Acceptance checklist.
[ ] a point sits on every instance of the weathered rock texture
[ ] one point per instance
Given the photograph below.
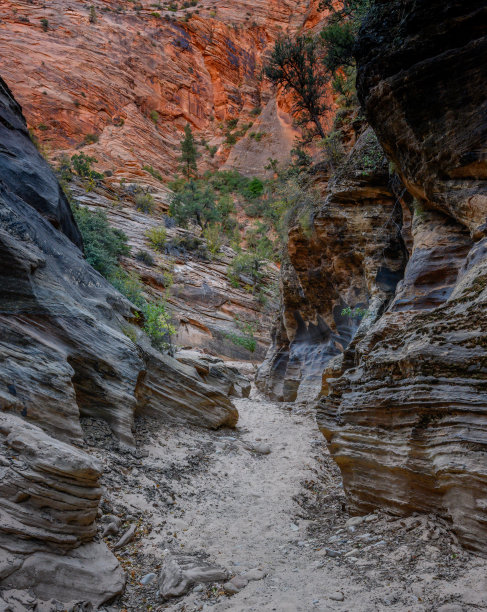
(64, 354)
(108, 76)
(407, 419)
(206, 307)
(49, 494)
(352, 256)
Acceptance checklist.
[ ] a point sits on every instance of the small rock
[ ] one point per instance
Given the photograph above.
(354, 521)
(352, 553)
(230, 588)
(370, 518)
(147, 578)
(294, 527)
(260, 449)
(255, 574)
(198, 588)
(126, 538)
(338, 596)
(332, 553)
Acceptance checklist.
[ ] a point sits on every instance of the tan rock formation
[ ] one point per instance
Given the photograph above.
(49, 494)
(352, 256)
(407, 420)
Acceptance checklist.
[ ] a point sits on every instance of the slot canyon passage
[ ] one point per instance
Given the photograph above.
(243, 290)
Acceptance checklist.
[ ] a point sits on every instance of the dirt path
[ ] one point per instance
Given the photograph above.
(210, 495)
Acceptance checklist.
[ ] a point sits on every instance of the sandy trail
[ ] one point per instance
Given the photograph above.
(279, 512)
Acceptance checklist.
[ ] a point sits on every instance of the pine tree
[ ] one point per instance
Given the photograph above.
(295, 66)
(189, 153)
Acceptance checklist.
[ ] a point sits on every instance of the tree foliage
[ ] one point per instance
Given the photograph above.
(189, 153)
(295, 65)
(194, 203)
(103, 244)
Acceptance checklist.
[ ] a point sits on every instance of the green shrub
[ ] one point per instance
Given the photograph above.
(157, 237)
(82, 166)
(92, 17)
(256, 111)
(45, 24)
(91, 138)
(189, 243)
(145, 257)
(194, 203)
(144, 202)
(254, 188)
(157, 325)
(154, 115)
(356, 312)
(103, 245)
(232, 123)
(247, 265)
(213, 236)
(157, 175)
(129, 285)
(245, 338)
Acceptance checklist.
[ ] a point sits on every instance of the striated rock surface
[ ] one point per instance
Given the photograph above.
(353, 256)
(133, 74)
(49, 494)
(205, 305)
(406, 419)
(63, 355)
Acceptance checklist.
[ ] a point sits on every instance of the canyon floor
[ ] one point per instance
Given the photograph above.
(266, 496)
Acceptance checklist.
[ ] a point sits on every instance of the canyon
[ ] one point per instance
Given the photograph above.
(340, 463)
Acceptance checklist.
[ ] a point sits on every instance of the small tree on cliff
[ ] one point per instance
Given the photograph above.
(295, 66)
(189, 153)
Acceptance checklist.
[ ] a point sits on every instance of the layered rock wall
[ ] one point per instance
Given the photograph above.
(65, 352)
(406, 420)
(351, 256)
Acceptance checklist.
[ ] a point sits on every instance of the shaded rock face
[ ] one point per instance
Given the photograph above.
(26, 173)
(64, 354)
(406, 421)
(353, 256)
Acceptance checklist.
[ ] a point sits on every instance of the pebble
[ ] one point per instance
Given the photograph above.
(354, 521)
(255, 574)
(338, 596)
(260, 449)
(147, 578)
(352, 553)
(332, 553)
(198, 588)
(294, 527)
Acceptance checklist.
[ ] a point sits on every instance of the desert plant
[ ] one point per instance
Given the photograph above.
(144, 202)
(294, 65)
(103, 245)
(82, 165)
(145, 257)
(157, 237)
(158, 326)
(189, 153)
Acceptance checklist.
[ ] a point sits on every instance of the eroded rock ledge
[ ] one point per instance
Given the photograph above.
(64, 354)
(406, 419)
